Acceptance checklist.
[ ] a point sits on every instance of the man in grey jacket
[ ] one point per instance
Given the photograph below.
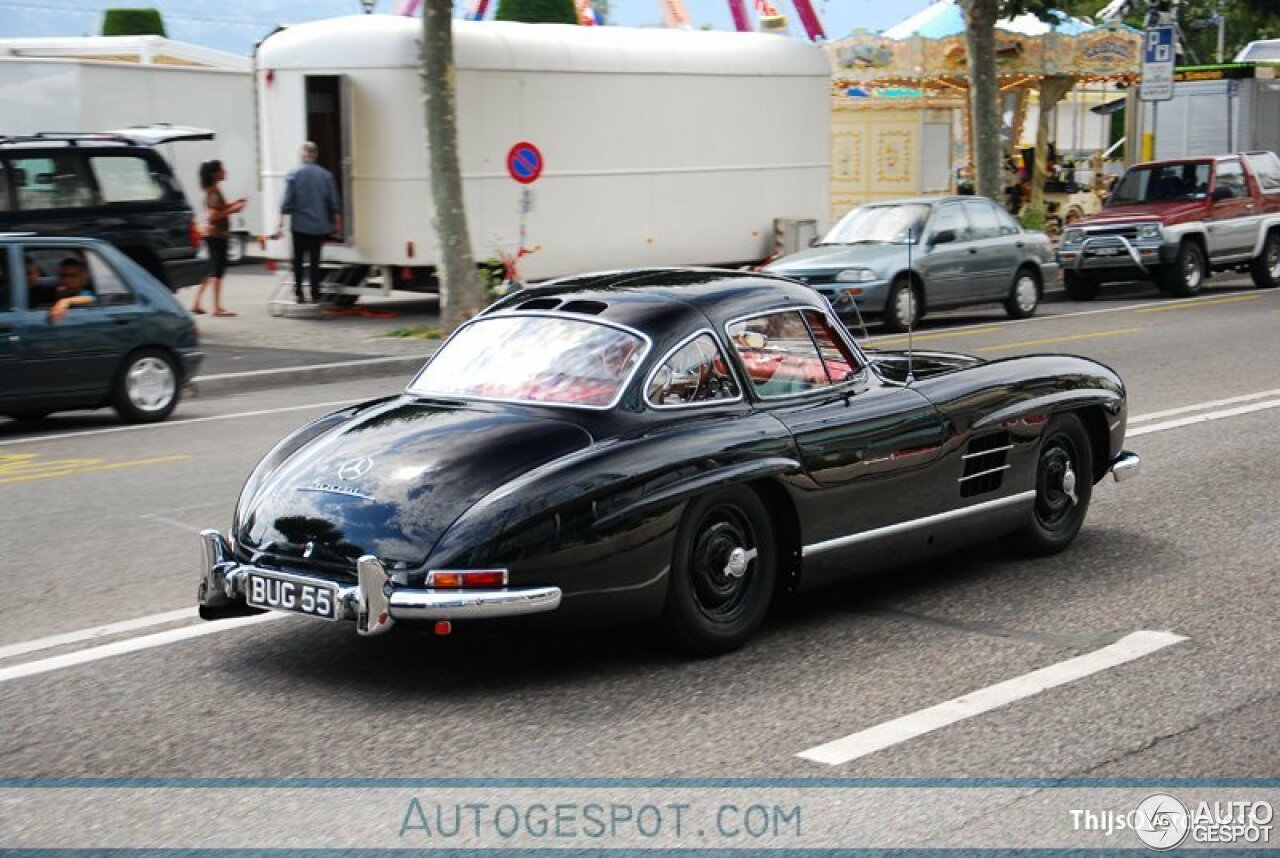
(311, 202)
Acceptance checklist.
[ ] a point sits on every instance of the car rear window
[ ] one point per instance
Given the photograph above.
(126, 178)
(535, 359)
(1266, 166)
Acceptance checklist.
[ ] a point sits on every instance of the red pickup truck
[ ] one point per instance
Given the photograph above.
(1176, 222)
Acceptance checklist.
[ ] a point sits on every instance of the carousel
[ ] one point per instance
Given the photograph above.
(1039, 63)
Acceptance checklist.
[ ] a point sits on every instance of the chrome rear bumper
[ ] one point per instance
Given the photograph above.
(1125, 465)
(374, 602)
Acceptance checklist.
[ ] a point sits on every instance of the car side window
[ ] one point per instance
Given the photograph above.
(1008, 226)
(982, 219)
(779, 355)
(1266, 166)
(6, 290)
(1230, 175)
(107, 284)
(53, 181)
(126, 179)
(951, 217)
(4, 187)
(694, 372)
(840, 363)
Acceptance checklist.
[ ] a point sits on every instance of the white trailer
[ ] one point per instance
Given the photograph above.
(660, 147)
(111, 83)
(1218, 109)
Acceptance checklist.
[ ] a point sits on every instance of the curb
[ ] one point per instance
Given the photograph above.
(226, 383)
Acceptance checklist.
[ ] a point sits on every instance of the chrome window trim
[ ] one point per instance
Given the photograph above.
(988, 472)
(684, 405)
(546, 314)
(912, 524)
(1003, 449)
(831, 385)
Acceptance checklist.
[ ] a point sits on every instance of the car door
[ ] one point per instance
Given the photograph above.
(77, 356)
(994, 255)
(946, 261)
(1233, 223)
(865, 446)
(12, 381)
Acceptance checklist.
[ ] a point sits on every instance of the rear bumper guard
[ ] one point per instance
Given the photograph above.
(374, 602)
(1125, 466)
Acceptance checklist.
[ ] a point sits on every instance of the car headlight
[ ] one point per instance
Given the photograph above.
(856, 275)
(1149, 230)
(1073, 236)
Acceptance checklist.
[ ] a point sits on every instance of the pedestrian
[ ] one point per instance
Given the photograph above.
(216, 232)
(311, 203)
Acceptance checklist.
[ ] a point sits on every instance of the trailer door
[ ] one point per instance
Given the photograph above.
(329, 127)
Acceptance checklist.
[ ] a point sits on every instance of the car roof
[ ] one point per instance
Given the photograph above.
(928, 201)
(34, 240)
(662, 301)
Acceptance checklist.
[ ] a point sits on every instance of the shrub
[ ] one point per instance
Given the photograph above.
(538, 11)
(132, 22)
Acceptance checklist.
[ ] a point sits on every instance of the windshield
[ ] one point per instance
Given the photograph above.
(1162, 182)
(539, 359)
(880, 225)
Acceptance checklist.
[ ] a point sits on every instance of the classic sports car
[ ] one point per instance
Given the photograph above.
(680, 444)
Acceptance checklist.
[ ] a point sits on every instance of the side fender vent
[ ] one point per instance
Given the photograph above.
(985, 462)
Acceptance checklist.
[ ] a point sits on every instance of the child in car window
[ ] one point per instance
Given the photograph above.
(73, 288)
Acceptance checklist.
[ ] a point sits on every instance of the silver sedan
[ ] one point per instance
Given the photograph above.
(899, 260)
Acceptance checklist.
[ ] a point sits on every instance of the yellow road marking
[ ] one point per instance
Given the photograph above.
(972, 332)
(1067, 339)
(27, 467)
(1190, 305)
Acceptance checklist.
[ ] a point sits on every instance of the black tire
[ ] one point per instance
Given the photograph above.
(146, 388)
(1265, 268)
(1024, 294)
(900, 312)
(1080, 287)
(1188, 273)
(710, 610)
(1064, 467)
(342, 299)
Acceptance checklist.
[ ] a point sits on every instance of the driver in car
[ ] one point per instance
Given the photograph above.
(73, 288)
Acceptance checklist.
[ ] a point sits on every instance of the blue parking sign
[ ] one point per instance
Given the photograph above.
(1158, 45)
(1158, 58)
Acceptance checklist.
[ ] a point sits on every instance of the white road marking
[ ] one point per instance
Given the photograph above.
(96, 632)
(97, 653)
(916, 724)
(35, 439)
(1205, 418)
(1202, 406)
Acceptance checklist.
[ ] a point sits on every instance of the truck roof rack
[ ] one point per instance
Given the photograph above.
(71, 138)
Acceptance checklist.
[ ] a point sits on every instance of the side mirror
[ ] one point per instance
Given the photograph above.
(943, 236)
(1221, 193)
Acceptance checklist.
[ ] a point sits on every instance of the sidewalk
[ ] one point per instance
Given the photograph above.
(255, 349)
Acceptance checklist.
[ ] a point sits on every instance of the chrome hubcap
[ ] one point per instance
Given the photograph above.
(150, 384)
(907, 306)
(1025, 293)
(1191, 271)
(1273, 260)
(1069, 484)
(739, 560)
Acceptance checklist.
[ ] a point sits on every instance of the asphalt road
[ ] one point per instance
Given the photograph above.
(98, 523)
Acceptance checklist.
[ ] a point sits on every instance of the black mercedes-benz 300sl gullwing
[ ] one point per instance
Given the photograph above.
(680, 445)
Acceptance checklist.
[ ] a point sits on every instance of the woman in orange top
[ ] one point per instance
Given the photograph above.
(216, 232)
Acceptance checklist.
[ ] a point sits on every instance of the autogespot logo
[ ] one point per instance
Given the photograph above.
(1161, 821)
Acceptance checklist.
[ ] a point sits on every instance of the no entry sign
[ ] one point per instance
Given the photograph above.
(524, 163)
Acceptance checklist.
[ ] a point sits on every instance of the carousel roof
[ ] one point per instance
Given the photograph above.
(945, 18)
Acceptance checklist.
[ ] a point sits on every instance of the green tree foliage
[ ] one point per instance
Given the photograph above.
(538, 11)
(1244, 21)
(132, 22)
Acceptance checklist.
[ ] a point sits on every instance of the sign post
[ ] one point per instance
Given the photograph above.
(524, 164)
(1158, 60)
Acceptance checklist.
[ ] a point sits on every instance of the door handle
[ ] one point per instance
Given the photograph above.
(973, 250)
(1019, 245)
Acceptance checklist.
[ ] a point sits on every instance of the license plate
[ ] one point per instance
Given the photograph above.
(1105, 251)
(290, 594)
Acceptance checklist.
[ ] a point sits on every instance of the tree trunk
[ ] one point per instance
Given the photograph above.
(461, 293)
(1052, 89)
(984, 94)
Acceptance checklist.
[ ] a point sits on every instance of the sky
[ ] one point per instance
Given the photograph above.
(235, 25)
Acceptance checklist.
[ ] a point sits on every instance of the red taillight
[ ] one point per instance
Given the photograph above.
(193, 234)
(458, 579)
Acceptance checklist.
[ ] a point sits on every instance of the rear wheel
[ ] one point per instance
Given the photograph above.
(1024, 295)
(902, 307)
(1080, 287)
(146, 387)
(723, 572)
(1064, 486)
(1186, 276)
(1265, 268)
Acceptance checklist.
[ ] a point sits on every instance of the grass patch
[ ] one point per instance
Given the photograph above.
(424, 332)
